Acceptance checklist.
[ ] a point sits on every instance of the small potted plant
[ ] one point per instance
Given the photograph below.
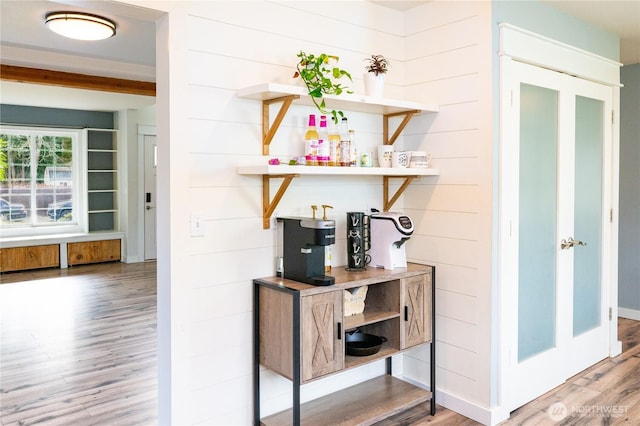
(376, 69)
(320, 74)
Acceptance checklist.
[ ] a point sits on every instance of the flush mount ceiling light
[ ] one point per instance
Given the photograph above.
(80, 26)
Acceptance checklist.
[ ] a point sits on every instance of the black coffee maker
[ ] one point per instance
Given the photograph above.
(304, 241)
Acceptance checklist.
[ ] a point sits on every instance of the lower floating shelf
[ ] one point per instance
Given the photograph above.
(287, 173)
(284, 169)
(362, 404)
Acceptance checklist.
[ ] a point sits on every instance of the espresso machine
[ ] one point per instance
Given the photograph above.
(389, 233)
(304, 240)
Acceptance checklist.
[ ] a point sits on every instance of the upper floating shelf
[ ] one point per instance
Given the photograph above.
(351, 102)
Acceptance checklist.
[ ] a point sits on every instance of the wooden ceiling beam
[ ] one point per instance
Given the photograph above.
(76, 81)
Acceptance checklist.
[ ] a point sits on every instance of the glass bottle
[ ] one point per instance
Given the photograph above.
(345, 143)
(334, 145)
(354, 149)
(323, 142)
(311, 142)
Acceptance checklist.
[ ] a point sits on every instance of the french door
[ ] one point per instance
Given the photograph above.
(556, 234)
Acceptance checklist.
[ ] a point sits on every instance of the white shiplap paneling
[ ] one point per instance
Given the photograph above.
(449, 59)
(437, 50)
(229, 49)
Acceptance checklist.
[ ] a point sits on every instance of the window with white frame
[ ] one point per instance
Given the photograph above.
(40, 181)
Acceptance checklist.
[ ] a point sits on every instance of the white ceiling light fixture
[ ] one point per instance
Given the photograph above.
(80, 26)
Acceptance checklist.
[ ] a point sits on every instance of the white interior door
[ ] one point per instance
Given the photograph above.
(556, 192)
(150, 165)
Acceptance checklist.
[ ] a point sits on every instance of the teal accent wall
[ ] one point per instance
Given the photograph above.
(543, 19)
(54, 117)
(629, 215)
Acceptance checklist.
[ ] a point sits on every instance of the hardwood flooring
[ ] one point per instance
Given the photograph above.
(607, 393)
(78, 347)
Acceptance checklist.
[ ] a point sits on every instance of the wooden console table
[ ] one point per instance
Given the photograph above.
(299, 333)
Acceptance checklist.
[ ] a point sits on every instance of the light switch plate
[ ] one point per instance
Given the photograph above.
(197, 224)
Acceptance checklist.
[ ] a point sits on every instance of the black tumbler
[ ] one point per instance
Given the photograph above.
(358, 241)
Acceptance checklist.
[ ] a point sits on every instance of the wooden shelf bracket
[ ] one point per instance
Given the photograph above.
(268, 205)
(269, 129)
(388, 203)
(385, 125)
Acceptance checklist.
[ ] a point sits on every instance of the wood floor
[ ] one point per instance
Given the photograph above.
(78, 347)
(611, 386)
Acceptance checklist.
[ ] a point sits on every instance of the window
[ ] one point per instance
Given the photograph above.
(40, 181)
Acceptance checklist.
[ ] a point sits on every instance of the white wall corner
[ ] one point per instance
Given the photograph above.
(479, 413)
(131, 259)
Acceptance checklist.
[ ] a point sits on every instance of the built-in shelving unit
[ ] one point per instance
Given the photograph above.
(102, 179)
(272, 93)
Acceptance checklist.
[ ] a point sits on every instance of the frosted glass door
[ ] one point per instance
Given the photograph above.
(557, 170)
(537, 221)
(588, 215)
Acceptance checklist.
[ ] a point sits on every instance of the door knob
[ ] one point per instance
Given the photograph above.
(570, 242)
(149, 207)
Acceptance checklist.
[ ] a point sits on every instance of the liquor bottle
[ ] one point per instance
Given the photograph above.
(334, 145)
(323, 143)
(311, 142)
(345, 143)
(354, 149)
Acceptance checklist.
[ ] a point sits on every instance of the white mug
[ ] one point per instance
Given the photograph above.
(384, 155)
(419, 159)
(400, 159)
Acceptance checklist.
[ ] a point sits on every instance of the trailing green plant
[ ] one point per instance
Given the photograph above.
(321, 77)
(377, 64)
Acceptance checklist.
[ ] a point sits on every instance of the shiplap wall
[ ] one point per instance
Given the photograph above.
(205, 132)
(449, 61)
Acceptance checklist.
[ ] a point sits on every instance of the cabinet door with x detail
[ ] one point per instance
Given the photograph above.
(322, 341)
(415, 305)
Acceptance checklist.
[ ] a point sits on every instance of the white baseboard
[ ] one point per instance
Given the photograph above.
(633, 314)
(131, 259)
(486, 416)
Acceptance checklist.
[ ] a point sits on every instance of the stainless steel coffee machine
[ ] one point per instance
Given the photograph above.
(304, 240)
(389, 233)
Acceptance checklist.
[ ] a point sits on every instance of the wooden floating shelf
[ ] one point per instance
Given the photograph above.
(286, 95)
(335, 171)
(351, 102)
(271, 93)
(288, 173)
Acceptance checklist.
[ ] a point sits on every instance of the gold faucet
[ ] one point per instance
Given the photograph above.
(324, 211)
(314, 208)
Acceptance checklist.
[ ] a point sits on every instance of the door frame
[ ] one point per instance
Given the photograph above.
(143, 130)
(521, 45)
